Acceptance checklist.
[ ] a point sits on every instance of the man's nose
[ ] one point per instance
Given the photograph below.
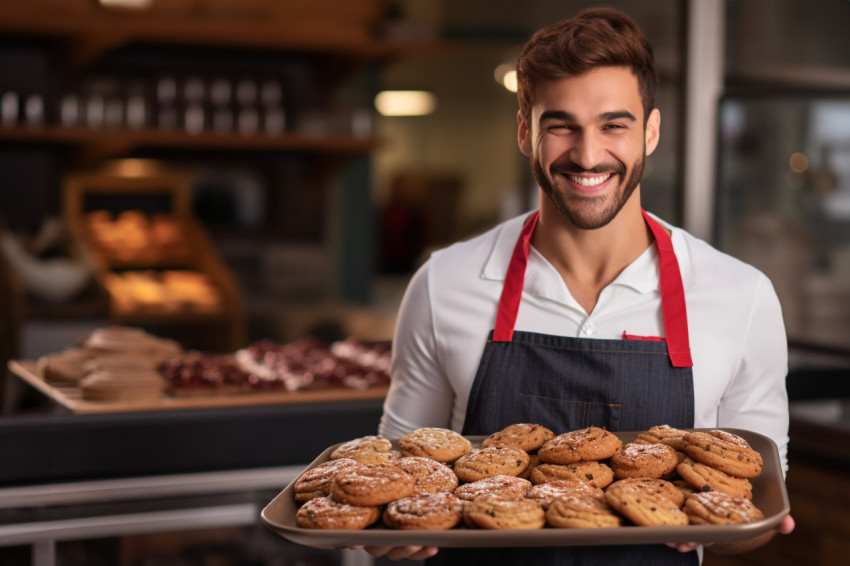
(587, 150)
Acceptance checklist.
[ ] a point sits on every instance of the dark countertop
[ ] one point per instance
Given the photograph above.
(59, 448)
(820, 430)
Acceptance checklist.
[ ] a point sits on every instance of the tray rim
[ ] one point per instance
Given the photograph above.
(546, 536)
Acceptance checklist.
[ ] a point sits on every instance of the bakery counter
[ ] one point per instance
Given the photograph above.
(54, 447)
(70, 479)
(820, 430)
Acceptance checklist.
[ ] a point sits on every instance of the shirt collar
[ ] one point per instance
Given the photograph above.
(641, 275)
(496, 266)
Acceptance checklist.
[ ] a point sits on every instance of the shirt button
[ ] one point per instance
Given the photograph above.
(588, 329)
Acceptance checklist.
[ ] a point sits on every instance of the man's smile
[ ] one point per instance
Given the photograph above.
(589, 181)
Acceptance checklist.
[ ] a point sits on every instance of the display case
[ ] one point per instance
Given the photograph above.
(783, 203)
(153, 257)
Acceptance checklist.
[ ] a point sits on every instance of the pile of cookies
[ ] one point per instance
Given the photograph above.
(527, 477)
(116, 363)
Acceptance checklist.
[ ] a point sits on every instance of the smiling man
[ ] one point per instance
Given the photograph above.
(588, 311)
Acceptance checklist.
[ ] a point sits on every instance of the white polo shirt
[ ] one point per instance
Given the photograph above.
(737, 335)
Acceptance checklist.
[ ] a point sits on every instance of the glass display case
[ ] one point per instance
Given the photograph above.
(783, 204)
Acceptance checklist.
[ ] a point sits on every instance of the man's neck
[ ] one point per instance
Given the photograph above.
(589, 260)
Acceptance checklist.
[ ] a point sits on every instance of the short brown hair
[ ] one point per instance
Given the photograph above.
(596, 37)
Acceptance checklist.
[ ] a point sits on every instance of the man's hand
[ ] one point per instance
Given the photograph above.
(785, 526)
(402, 552)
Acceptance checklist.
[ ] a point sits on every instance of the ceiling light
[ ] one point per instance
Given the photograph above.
(137, 4)
(505, 75)
(405, 102)
(798, 162)
(133, 167)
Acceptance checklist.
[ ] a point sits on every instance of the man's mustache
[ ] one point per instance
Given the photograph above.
(569, 167)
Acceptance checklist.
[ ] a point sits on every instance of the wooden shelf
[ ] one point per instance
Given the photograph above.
(104, 142)
(345, 28)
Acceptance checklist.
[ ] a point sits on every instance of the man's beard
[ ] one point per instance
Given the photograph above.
(582, 216)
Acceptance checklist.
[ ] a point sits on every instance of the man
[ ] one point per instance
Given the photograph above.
(588, 311)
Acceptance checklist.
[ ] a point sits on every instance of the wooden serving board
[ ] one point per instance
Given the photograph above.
(70, 396)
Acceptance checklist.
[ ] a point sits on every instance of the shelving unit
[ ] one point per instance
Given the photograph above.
(326, 26)
(224, 318)
(290, 141)
(326, 47)
(327, 42)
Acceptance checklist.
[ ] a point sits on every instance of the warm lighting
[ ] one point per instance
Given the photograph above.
(405, 103)
(136, 4)
(510, 81)
(505, 75)
(798, 162)
(132, 167)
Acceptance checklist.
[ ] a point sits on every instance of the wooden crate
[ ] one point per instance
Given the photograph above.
(223, 326)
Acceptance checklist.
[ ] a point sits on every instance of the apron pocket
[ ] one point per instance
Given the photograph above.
(570, 414)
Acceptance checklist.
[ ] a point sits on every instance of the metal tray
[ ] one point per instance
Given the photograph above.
(769, 495)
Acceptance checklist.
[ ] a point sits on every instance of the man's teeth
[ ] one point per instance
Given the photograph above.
(589, 181)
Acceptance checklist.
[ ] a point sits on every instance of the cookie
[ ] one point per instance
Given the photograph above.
(642, 507)
(659, 486)
(591, 472)
(663, 434)
(119, 362)
(440, 444)
(591, 443)
(67, 366)
(706, 478)
(495, 484)
(724, 451)
(523, 436)
(581, 511)
(372, 485)
(715, 508)
(125, 385)
(326, 513)
(430, 476)
(533, 462)
(644, 461)
(316, 482)
(430, 511)
(684, 487)
(503, 511)
(369, 450)
(134, 341)
(489, 462)
(545, 493)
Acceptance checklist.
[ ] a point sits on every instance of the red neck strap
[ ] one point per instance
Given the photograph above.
(672, 291)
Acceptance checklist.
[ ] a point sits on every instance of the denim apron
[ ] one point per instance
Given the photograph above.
(567, 383)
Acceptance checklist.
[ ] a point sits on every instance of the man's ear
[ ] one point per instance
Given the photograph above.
(523, 135)
(653, 131)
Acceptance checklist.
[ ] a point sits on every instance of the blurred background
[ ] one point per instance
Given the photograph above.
(264, 177)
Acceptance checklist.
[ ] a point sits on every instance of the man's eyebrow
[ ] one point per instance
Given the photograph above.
(617, 115)
(557, 115)
(604, 117)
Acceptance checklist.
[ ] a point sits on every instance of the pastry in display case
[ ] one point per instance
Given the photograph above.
(168, 291)
(134, 237)
(153, 257)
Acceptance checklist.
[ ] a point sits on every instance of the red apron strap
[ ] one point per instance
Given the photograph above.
(514, 281)
(674, 311)
(673, 308)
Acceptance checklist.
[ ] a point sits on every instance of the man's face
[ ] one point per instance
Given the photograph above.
(587, 143)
